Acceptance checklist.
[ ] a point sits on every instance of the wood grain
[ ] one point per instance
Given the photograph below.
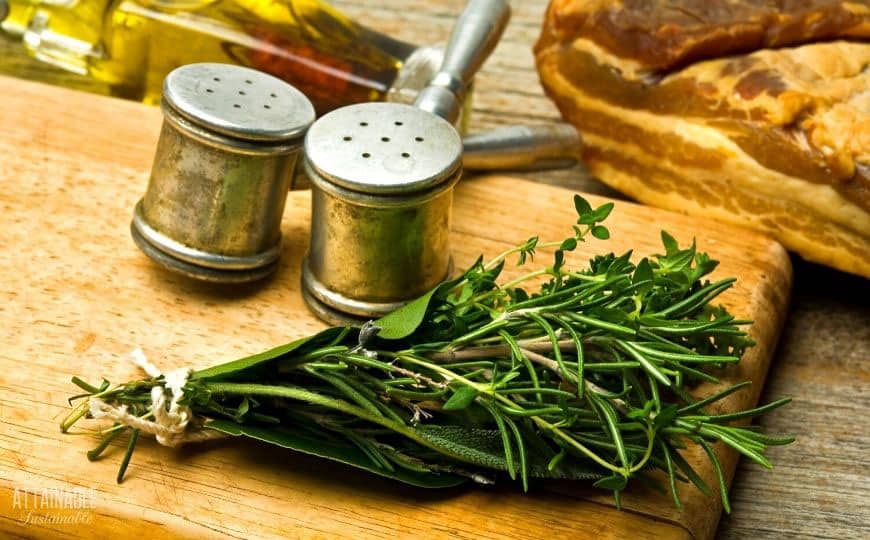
(819, 486)
(79, 296)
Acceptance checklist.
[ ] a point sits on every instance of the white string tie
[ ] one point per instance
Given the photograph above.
(170, 421)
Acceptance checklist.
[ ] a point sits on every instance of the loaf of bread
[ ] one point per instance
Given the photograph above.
(750, 111)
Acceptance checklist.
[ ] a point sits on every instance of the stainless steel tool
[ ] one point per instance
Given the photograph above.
(226, 155)
(382, 179)
(523, 148)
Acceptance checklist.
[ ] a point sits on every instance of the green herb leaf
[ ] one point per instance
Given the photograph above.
(671, 245)
(558, 260)
(615, 482)
(665, 417)
(527, 250)
(581, 205)
(484, 447)
(345, 453)
(461, 398)
(600, 232)
(643, 273)
(596, 216)
(236, 368)
(404, 321)
(568, 244)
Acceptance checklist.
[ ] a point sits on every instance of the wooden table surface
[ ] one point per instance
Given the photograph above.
(819, 487)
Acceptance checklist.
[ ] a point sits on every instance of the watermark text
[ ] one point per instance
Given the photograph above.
(54, 506)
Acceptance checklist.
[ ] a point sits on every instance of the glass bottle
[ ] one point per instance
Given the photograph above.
(131, 45)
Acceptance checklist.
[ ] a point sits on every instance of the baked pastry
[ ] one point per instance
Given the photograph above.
(731, 109)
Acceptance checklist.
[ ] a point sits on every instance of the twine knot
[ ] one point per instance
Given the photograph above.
(171, 419)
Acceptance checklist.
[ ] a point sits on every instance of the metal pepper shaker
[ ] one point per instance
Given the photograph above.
(382, 179)
(227, 152)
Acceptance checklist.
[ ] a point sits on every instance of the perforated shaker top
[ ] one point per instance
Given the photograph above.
(383, 148)
(239, 102)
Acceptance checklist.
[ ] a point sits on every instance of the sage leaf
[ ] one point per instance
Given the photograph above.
(343, 453)
(484, 447)
(237, 368)
(404, 321)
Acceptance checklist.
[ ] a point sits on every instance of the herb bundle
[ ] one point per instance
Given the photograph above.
(560, 373)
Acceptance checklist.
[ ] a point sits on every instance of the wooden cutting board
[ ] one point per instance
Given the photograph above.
(77, 297)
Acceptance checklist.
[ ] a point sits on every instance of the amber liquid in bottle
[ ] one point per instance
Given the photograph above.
(131, 45)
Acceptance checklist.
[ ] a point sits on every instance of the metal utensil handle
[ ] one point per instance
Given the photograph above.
(551, 146)
(509, 148)
(473, 39)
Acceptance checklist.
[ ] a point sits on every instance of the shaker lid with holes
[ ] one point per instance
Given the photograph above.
(238, 102)
(383, 148)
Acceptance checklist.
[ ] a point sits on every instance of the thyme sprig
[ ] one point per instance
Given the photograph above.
(558, 373)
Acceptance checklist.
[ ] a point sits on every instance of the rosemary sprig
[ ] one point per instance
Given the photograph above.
(558, 373)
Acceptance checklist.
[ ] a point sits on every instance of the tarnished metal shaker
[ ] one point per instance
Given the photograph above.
(227, 152)
(382, 179)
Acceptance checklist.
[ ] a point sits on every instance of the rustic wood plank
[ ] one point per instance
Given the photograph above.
(79, 295)
(818, 488)
(823, 356)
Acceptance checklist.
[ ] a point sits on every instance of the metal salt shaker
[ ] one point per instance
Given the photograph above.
(227, 152)
(382, 179)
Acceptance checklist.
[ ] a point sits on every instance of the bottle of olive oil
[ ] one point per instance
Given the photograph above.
(131, 45)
